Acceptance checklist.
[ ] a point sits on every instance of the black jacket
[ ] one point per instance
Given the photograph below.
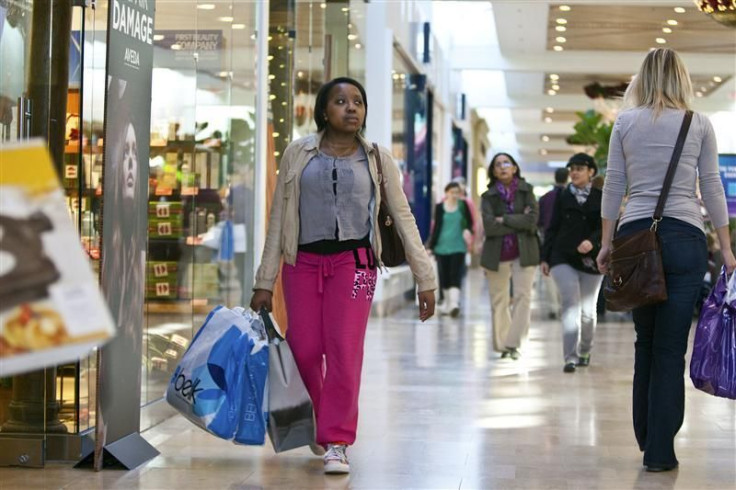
(571, 224)
(439, 214)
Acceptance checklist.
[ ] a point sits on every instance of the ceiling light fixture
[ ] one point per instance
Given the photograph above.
(558, 48)
(698, 94)
(560, 28)
(554, 76)
(542, 152)
(548, 119)
(679, 10)
(238, 26)
(545, 138)
(323, 5)
(206, 6)
(352, 37)
(672, 22)
(717, 79)
(565, 8)
(561, 39)
(176, 47)
(225, 19)
(667, 30)
(661, 40)
(561, 21)
(555, 87)
(358, 45)
(551, 92)
(158, 37)
(549, 110)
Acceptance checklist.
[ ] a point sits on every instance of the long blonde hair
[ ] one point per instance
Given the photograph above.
(663, 81)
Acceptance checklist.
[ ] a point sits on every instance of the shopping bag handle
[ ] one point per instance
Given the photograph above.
(271, 330)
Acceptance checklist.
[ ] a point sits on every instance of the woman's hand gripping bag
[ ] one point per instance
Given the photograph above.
(713, 362)
(207, 385)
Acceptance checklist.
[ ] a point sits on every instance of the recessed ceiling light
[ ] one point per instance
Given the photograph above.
(545, 138)
(352, 37)
(565, 8)
(554, 76)
(549, 110)
(561, 39)
(548, 119)
(176, 47)
(558, 48)
(698, 94)
(299, 74)
(358, 45)
(560, 28)
(551, 92)
(679, 10)
(542, 151)
(323, 5)
(661, 40)
(672, 22)
(238, 26)
(158, 37)
(206, 6)
(555, 87)
(703, 89)
(717, 79)
(225, 19)
(562, 21)
(667, 30)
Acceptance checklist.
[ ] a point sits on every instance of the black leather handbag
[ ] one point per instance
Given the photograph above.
(635, 273)
(392, 248)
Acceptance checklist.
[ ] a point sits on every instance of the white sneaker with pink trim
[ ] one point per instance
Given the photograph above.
(336, 461)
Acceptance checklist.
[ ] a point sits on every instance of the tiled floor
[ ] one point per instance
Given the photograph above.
(440, 410)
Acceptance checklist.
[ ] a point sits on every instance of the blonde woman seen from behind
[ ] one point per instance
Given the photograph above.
(642, 144)
(510, 252)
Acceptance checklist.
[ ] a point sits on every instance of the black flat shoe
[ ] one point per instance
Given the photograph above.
(505, 354)
(584, 361)
(569, 367)
(655, 468)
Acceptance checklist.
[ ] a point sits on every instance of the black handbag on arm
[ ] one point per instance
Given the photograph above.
(635, 273)
(392, 248)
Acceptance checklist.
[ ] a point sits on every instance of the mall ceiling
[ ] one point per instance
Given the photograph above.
(547, 52)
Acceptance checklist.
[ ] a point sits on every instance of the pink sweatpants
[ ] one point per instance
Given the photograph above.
(328, 300)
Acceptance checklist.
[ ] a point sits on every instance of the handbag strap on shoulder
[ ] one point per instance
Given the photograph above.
(670, 176)
(380, 171)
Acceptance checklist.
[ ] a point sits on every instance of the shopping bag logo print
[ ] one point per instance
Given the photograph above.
(187, 388)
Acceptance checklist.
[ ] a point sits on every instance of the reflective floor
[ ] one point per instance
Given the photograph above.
(440, 410)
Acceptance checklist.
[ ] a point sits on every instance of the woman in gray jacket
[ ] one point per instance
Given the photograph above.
(510, 252)
(642, 143)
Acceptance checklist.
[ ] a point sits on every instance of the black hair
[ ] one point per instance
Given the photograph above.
(561, 175)
(320, 105)
(452, 185)
(492, 178)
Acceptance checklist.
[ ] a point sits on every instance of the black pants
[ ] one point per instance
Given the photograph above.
(661, 340)
(451, 268)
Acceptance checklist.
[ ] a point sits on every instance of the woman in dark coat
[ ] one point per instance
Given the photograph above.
(570, 248)
(510, 252)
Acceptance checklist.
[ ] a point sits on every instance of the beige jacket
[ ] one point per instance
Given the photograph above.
(283, 225)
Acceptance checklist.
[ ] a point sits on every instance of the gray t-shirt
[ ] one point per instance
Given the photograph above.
(639, 154)
(335, 198)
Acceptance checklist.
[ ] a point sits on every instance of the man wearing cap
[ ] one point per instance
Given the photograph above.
(570, 247)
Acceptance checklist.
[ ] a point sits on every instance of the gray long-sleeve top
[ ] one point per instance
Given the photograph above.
(640, 150)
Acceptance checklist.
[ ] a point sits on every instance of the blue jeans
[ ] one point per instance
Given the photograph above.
(661, 340)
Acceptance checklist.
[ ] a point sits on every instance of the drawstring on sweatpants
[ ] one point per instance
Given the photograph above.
(326, 269)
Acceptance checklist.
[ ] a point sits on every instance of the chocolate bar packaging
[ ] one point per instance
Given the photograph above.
(51, 308)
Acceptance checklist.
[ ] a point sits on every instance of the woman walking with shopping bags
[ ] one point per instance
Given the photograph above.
(324, 224)
(571, 244)
(510, 252)
(452, 220)
(644, 135)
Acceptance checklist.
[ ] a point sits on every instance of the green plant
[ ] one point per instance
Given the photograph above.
(593, 132)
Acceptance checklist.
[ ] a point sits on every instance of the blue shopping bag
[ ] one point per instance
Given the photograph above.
(253, 411)
(713, 361)
(209, 383)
